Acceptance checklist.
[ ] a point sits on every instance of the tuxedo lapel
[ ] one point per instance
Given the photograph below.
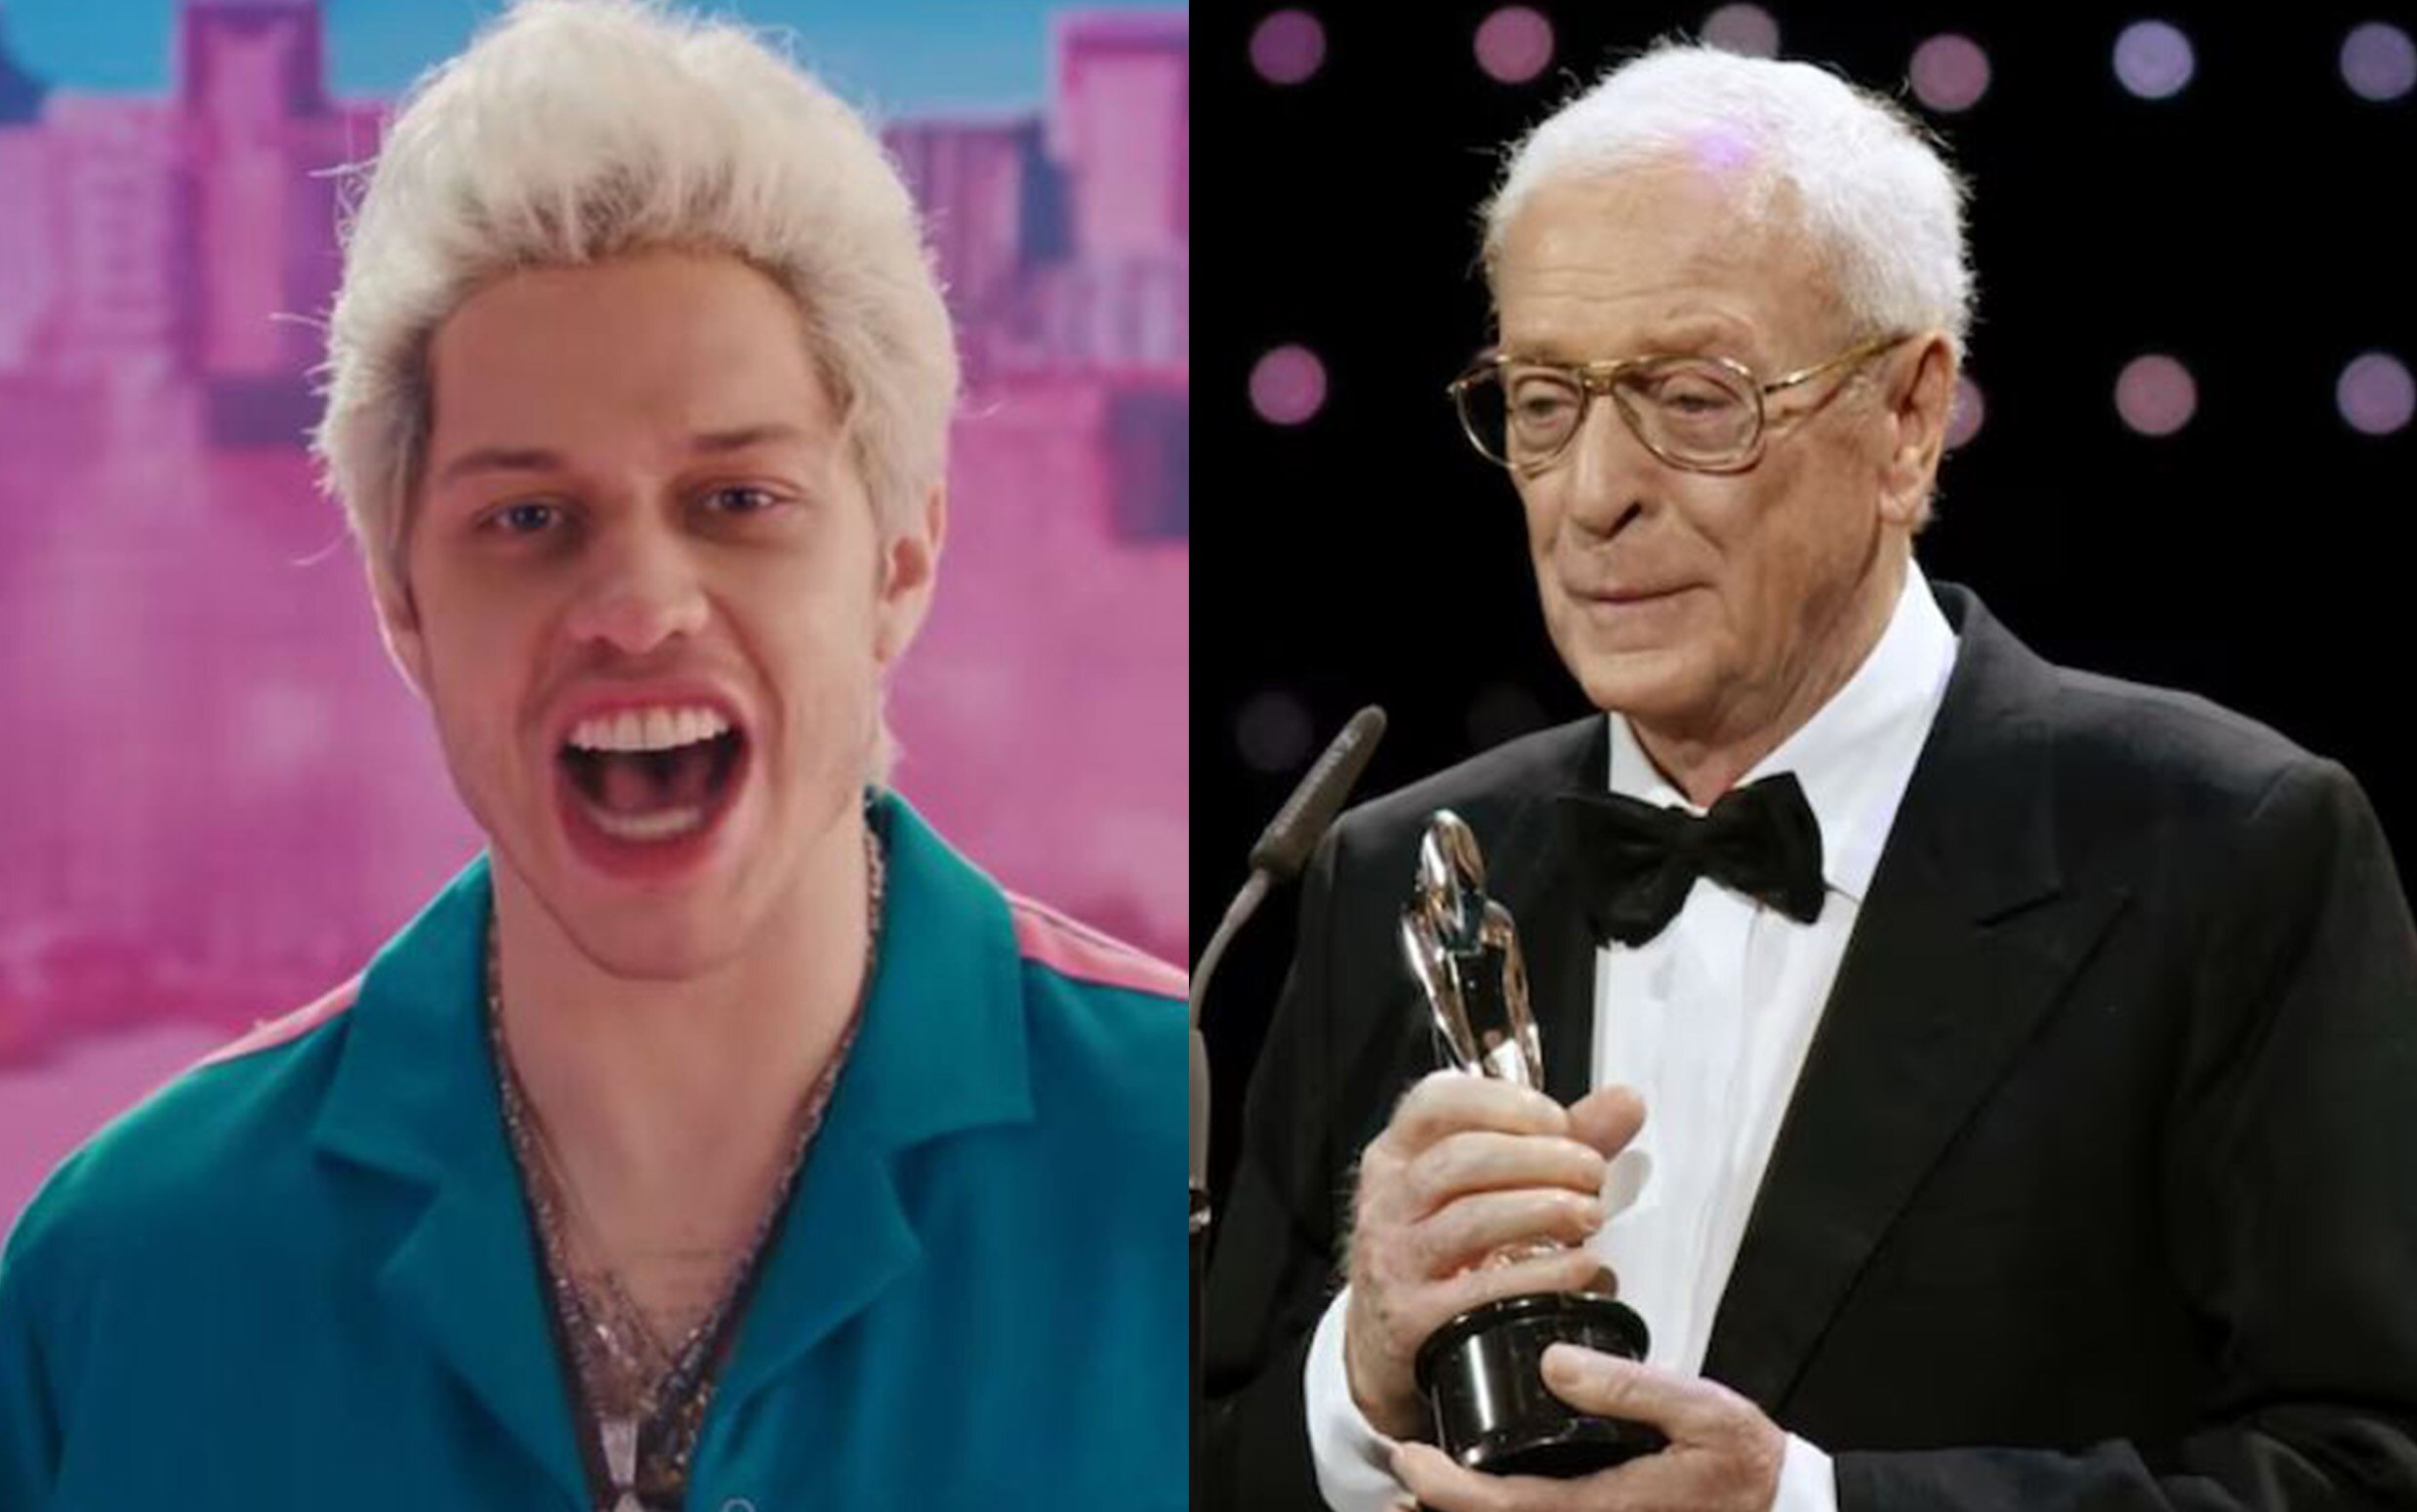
(1965, 940)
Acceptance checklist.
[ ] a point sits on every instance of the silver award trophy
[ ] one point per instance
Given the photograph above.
(1481, 1373)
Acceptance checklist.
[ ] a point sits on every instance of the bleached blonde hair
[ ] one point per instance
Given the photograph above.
(574, 131)
(1874, 192)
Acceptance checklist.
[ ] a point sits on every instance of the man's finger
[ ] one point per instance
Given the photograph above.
(1426, 1309)
(1446, 1102)
(1607, 1118)
(1441, 1485)
(1608, 1386)
(1485, 1161)
(1468, 1230)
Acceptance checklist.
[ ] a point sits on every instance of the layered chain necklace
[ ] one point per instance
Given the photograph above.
(646, 1400)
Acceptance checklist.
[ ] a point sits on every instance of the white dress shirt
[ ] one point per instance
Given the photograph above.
(1709, 1021)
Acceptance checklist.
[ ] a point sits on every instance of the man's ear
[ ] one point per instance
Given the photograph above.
(910, 562)
(398, 626)
(1919, 401)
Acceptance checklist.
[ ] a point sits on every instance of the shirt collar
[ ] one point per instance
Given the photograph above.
(1856, 753)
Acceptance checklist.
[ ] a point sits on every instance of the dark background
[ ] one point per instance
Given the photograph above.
(2254, 226)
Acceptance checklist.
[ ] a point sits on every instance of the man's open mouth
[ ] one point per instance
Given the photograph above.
(653, 795)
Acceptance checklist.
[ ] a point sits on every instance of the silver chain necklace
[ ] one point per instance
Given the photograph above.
(658, 1402)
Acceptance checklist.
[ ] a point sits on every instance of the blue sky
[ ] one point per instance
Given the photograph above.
(911, 56)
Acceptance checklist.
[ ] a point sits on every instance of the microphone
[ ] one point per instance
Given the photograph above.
(1284, 845)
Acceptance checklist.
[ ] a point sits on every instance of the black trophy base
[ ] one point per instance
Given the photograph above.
(1482, 1375)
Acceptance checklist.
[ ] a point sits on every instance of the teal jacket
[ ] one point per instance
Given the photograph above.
(300, 1275)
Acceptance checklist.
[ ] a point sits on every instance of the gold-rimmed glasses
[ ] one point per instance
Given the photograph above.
(1704, 414)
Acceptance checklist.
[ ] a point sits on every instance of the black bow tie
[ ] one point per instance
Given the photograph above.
(1638, 860)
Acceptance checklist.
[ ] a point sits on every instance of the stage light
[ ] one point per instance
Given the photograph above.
(1271, 732)
(1288, 47)
(1950, 72)
(2152, 60)
(1288, 386)
(2155, 394)
(2375, 394)
(1742, 28)
(2379, 61)
(1965, 412)
(1514, 44)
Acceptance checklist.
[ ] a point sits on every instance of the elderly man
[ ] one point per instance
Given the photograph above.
(724, 1139)
(1989, 1081)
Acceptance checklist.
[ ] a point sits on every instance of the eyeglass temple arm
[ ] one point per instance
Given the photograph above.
(1802, 375)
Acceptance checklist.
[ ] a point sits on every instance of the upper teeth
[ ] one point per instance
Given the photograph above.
(647, 729)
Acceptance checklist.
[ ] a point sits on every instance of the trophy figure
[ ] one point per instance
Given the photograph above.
(1481, 1373)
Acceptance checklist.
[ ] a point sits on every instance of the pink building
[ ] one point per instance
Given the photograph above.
(237, 799)
(1121, 119)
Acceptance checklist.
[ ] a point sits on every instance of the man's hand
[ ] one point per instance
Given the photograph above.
(1468, 1166)
(1724, 1454)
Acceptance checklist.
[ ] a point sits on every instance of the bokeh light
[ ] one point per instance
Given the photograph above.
(2379, 62)
(1500, 713)
(2376, 394)
(2155, 394)
(2152, 60)
(1288, 386)
(1271, 732)
(1749, 29)
(1950, 72)
(1514, 44)
(1965, 412)
(1288, 47)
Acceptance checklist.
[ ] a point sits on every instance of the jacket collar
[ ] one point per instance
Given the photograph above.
(941, 1050)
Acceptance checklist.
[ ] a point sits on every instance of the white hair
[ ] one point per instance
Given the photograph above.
(574, 131)
(1876, 197)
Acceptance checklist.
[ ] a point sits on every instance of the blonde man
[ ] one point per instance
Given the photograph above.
(721, 1138)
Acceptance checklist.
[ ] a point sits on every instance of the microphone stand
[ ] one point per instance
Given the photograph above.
(1279, 856)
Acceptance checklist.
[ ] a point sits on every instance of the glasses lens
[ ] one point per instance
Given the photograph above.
(1691, 410)
(1520, 416)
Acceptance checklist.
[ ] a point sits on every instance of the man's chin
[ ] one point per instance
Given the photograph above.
(1650, 685)
(662, 933)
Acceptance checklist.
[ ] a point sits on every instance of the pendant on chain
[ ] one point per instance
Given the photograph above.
(620, 1436)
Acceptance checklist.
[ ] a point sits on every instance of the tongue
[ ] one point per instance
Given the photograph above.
(631, 785)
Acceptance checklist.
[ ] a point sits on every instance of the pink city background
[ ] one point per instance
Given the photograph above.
(223, 798)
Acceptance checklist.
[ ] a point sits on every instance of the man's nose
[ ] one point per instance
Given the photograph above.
(1610, 473)
(644, 589)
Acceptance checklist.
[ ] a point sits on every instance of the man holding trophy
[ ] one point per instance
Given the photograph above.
(1910, 1075)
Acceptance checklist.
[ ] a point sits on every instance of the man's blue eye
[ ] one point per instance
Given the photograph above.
(753, 501)
(525, 519)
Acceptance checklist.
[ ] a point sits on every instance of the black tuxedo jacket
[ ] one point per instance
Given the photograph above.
(2099, 1187)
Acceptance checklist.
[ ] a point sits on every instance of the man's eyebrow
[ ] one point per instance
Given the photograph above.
(537, 458)
(498, 458)
(715, 442)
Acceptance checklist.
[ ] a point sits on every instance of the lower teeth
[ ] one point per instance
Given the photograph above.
(663, 824)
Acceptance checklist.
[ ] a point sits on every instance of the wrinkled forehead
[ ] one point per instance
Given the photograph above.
(1704, 241)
